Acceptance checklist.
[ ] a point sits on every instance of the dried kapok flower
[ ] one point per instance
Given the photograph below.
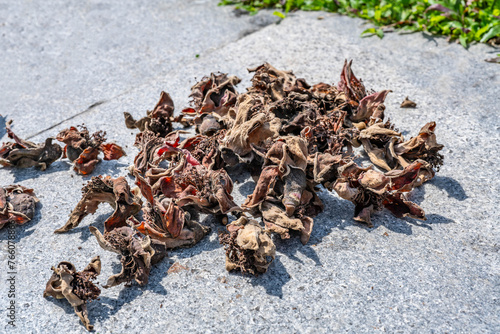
(17, 205)
(165, 221)
(423, 146)
(159, 120)
(137, 254)
(83, 149)
(377, 140)
(100, 189)
(274, 84)
(363, 106)
(292, 137)
(191, 184)
(250, 127)
(24, 154)
(371, 191)
(149, 144)
(213, 94)
(248, 247)
(76, 287)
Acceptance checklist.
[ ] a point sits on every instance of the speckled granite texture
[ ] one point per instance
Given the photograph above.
(93, 61)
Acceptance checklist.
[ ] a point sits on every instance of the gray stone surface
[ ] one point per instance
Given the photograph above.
(406, 276)
(62, 57)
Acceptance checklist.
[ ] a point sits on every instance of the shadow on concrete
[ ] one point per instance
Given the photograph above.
(106, 307)
(2, 127)
(83, 229)
(66, 306)
(22, 174)
(273, 280)
(451, 186)
(113, 168)
(206, 244)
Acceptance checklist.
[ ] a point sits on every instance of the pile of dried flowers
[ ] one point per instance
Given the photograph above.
(293, 138)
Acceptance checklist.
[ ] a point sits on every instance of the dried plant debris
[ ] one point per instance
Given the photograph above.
(136, 254)
(23, 154)
(76, 287)
(407, 103)
(159, 120)
(100, 189)
(165, 221)
(17, 205)
(83, 149)
(371, 191)
(249, 248)
(294, 139)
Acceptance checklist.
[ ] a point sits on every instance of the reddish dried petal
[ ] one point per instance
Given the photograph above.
(112, 151)
(87, 161)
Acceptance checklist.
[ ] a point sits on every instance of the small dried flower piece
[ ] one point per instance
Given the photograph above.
(424, 147)
(353, 88)
(100, 189)
(363, 106)
(159, 120)
(17, 205)
(24, 154)
(371, 191)
(165, 221)
(251, 127)
(149, 144)
(76, 287)
(213, 94)
(248, 247)
(137, 254)
(274, 84)
(191, 184)
(83, 149)
(377, 140)
(407, 103)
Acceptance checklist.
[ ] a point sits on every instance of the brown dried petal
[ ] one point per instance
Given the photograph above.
(424, 147)
(264, 185)
(116, 192)
(216, 93)
(249, 128)
(350, 85)
(112, 151)
(371, 106)
(136, 254)
(278, 221)
(274, 84)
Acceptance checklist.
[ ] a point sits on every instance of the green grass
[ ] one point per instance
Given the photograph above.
(464, 21)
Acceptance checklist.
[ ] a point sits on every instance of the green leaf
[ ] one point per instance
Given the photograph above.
(493, 32)
(279, 14)
(369, 31)
(463, 40)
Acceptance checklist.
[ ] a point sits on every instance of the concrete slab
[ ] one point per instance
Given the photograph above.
(60, 58)
(442, 275)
